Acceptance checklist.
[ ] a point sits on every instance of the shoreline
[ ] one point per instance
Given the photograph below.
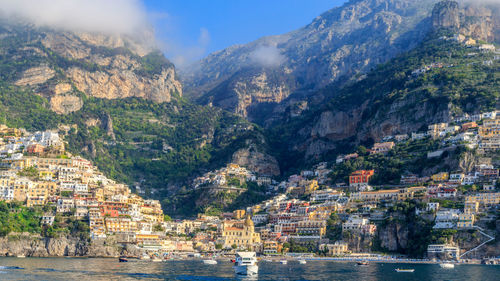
(276, 259)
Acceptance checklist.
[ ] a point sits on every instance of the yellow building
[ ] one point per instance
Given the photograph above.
(239, 214)
(311, 228)
(484, 198)
(411, 192)
(124, 224)
(443, 176)
(22, 163)
(465, 220)
(240, 234)
(471, 207)
(50, 186)
(375, 196)
(490, 128)
(271, 247)
(46, 174)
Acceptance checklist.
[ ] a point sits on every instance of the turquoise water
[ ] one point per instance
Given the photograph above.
(111, 269)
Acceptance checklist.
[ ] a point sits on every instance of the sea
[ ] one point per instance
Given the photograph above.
(82, 269)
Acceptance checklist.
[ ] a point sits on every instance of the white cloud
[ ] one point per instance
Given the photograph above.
(267, 56)
(107, 16)
(183, 55)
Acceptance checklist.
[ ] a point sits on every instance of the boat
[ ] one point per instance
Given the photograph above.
(21, 256)
(362, 263)
(156, 259)
(145, 257)
(211, 261)
(302, 261)
(122, 259)
(447, 265)
(283, 261)
(246, 263)
(408, 270)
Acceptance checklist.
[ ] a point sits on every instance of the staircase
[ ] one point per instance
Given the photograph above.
(490, 238)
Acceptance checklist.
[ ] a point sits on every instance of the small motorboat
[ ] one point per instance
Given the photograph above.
(362, 263)
(122, 259)
(210, 261)
(407, 270)
(156, 259)
(283, 261)
(447, 265)
(20, 256)
(145, 257)
(302, 261)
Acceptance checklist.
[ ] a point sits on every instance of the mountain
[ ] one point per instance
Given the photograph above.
(118, 101)
(58, 65)
(445, 76)
(252, 79)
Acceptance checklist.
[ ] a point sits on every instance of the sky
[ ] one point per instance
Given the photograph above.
(189, 30)
(186, 30)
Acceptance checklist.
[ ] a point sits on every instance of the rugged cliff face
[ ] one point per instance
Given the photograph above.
(31, 245)
(473, 19)
(251, 79)
(64, 64)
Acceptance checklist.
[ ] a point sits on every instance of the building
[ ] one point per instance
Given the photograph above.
(383, 147)
(443, 252)
(336, 249)
(360, 179)
(325, 195)
(240, 234)
(311, 227)
(443, 176)
(360, 225)
(375, 196)
(484, 199)
(271, 247)
(465, 220)
(437, 130)
(446, 219)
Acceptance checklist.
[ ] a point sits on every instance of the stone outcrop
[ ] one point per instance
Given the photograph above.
(473, 19)
(31, 245)
(64, 104)
(116, 84)
(36, 76)
(446, 14)
(256, 161)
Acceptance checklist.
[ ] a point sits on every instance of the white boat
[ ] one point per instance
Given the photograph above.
(209, 261)
(405, 270)
(156, 259)
(302, 261)
(283, 261)
(246, 263)
(21, 256)
(145, 257)
(447, 265)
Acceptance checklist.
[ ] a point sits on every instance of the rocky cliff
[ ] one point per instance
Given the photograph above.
(478, 20)
(61, 65)
(31, 245)
(252, 79)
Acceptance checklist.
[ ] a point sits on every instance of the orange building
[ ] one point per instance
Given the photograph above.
(360, 178)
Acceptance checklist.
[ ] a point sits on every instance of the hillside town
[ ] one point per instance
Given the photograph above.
(307, 212)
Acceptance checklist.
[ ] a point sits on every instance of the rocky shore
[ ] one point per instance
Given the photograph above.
(31, 245)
